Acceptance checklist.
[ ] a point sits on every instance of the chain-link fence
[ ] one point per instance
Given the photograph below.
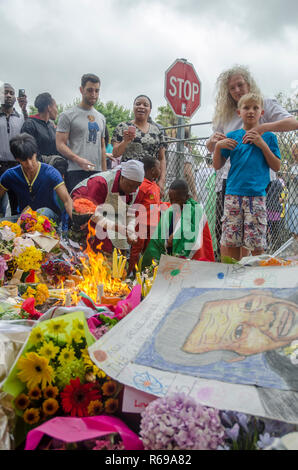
(189, 159)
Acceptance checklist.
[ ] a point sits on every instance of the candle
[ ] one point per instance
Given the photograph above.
(99, 293)
(139, 279)
(122, 268)
(114, 272)
(154, 273)
(119, 266)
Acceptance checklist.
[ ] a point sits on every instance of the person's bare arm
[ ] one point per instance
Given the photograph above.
(212, 141)
(284, 125)
(218, 159)
(119, 147)
(188, 174)
(163, 169)
(65, 198)
(62, 147)
(103, 155)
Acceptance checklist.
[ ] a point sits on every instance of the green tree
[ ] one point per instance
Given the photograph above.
(286, 139)
(166, 117)
(288, 102)
(114, 114)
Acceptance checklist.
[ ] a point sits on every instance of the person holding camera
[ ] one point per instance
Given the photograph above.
(10, 125)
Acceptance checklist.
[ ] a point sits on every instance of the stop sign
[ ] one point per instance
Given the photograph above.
(182, 88)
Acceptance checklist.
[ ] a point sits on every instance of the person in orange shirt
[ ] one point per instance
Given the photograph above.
(149, 197)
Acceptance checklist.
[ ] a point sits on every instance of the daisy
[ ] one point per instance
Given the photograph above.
(49, 350)
(34, 370)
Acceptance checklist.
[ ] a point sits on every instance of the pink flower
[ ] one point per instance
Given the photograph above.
(3, 267)
(47, 225)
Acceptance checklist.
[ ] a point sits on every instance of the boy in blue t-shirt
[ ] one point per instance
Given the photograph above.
(252, 155)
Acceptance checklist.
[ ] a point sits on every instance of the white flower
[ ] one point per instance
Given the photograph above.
(21, 244)
(7, 234)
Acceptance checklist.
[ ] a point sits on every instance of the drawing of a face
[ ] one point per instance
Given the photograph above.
(248, 325)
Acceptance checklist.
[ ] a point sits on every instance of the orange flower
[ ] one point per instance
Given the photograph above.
(109, 388)
(31, 416)
(22, 401)
(34, 393)
(50, 392)
(95, 408)
(50, 406)
(84, 206)
(111, 405)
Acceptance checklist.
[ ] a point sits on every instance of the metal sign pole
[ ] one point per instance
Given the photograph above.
(180, 148)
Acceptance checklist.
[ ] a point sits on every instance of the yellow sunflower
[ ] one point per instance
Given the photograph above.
(57, 327)
(36, 336)
(22, 401)
(49, 350)
(111, 405)
(109, 388)
(67, 355)
(50, 406)
(50, 392)
(95, 407)
(13, 227)
(31, 416)
(34, 370)
(77, 335)
(34, 393)
(78, 325)
(89, 364)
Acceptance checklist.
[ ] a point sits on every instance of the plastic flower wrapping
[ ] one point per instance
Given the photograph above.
(54, 374)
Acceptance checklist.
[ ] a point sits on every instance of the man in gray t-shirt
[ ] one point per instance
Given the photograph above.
(80, 135)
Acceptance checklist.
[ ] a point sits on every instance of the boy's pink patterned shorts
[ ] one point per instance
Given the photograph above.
(244, 222)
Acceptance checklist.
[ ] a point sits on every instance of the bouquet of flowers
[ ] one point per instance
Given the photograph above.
(57, 270)
(55, 375)
(39, 292)
(31, 221)
(245, 432)
(3, 268)
(13, 227)
(178, 422)
(29, 259)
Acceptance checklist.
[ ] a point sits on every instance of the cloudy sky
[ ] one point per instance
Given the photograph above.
(49, 45)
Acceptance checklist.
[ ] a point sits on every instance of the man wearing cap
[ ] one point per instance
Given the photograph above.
(113, 193)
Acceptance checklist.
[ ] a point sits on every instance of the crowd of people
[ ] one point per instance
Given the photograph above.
(52, 168)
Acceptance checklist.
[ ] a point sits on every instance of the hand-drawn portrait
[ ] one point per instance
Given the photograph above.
(240, 336)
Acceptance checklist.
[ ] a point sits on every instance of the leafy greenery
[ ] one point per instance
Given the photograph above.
(114, 114)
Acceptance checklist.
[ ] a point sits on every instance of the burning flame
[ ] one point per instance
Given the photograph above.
(97, 272)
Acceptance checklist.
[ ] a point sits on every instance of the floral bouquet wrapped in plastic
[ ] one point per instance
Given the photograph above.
(31, 221)
(54, 374)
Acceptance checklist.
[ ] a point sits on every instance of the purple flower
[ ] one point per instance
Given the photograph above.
(179, 422)
(243, 420)
(278, 428)
(233, 432)
(265, 440)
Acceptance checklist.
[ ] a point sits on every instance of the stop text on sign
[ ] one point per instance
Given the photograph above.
(184, 89)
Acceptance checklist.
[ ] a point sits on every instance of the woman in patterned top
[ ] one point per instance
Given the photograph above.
(136, 139)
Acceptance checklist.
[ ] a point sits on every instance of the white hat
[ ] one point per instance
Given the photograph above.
(133, 170)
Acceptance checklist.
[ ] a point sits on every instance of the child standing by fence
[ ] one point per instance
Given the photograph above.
(252, 155)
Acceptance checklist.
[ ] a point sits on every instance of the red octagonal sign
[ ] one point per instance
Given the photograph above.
(183, 88)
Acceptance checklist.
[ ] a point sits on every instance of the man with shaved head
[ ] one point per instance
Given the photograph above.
(10, 125)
